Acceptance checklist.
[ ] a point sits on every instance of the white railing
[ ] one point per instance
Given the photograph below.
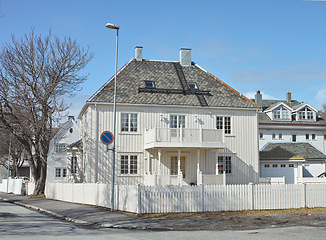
(163, 199)
(183, 135)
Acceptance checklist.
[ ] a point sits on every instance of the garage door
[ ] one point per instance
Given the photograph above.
(287, 170)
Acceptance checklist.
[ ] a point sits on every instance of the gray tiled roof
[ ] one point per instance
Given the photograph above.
(131, 78)
(278, 151)
(294, 104)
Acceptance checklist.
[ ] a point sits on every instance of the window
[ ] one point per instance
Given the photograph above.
(282, 165)
(266, 165)
(294, 138)
(73, 164)
(281, 113)
(224, 123)
(261, 135)
(71, 130)
(277, 114)
(325, 137)
(224, 164)
(149, 84)
(310, 115)
(227, 125)
(192, 85)
(174, 165)
(58, 172)
(291, 165)
(128, 122)
(307, 136)
(128, 164)
(64, 172)
(274, 165)
(280, 136)
(177, 121)
(60, 147)
(274, 136)
(313, 136)
(305, 114)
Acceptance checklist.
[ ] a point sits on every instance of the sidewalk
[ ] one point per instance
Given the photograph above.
(88, 216)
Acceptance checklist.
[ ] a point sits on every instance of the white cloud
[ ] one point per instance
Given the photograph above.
(320, 98)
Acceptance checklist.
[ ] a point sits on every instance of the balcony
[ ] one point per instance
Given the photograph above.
(184, 138)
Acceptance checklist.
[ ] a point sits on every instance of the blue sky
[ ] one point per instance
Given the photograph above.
(274, 46)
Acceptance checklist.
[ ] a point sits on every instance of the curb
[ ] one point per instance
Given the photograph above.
(82, 222)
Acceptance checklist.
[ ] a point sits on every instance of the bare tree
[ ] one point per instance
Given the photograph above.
(36, 73)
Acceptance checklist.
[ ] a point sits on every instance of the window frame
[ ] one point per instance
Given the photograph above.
(224, 164)
(151, 85)
(225, 123)
(129, 164)
(73, 164)
(176, 120)
(129, 122)
(60, 147)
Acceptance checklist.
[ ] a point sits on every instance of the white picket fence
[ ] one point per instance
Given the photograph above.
(166, 199)
(13, 186)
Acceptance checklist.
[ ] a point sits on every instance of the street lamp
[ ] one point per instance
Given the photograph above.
(112, 26)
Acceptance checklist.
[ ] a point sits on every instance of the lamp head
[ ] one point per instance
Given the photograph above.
(112, 26)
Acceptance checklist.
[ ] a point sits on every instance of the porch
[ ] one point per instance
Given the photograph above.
(183, 166)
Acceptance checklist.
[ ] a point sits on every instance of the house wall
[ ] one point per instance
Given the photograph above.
(242, 142)
(288, 131)
(59, 160)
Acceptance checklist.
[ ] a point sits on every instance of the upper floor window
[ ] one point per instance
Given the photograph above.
(177, 121)
(294, 138)
(60, 147)
(224, 123)
(261, 135)
(149, 84)
(128, 122)
(306, 114)
(281, 113)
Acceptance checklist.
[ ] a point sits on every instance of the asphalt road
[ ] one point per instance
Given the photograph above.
(20, 223)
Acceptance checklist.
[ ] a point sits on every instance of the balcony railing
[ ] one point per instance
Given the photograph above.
(156, 137)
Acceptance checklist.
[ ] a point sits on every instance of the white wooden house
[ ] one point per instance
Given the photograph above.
(63, 165)
(177, 124)
(292, 137)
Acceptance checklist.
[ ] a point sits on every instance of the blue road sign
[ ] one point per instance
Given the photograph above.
(107, 137)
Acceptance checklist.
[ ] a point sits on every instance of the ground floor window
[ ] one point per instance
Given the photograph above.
(224, 164)
(128, 164)
(174, 165)
(73, 164)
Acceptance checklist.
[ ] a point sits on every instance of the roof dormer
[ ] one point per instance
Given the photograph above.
(279, 112)
(305, 112)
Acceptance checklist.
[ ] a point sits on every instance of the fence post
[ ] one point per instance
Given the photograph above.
(202, 198)
(252, 195)
(139, 199)
(304, 195)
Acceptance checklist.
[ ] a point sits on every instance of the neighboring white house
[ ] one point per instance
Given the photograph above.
(292, 137)
(62, 164)
(176, 123)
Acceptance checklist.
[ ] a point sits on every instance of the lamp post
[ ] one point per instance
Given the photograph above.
(112, 26)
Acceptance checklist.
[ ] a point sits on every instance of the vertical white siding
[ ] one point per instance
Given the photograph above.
(243, 141)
